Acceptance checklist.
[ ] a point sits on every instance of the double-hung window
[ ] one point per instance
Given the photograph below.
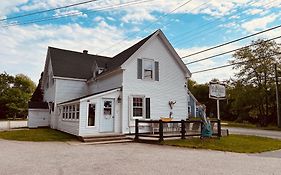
(148, 69)
(138, 107)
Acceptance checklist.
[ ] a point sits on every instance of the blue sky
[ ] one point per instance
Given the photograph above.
(102, 29)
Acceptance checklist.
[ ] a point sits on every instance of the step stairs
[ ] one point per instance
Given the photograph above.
(106, 139)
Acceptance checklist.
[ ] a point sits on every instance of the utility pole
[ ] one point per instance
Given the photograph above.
(277, 98)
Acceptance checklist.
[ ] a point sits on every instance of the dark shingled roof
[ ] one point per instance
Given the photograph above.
(72, 64)
(79, 65)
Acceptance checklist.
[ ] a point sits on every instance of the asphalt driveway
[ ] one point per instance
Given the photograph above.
(29, 158)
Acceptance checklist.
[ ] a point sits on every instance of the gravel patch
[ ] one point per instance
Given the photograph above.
(62, 158)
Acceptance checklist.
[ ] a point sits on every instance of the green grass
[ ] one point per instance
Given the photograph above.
(36, 135)
(249, 125)
(231, 143)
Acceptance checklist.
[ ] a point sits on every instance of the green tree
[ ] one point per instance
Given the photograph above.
(15, 93)
(255, 77)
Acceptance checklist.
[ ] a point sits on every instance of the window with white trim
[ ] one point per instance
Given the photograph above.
(91, 114)
(73, 112)
(66, 112)
(70, 112)
(148, 69)
(63, 112)
(138, 107)
(77, 111)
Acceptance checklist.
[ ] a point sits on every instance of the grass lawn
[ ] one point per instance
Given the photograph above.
(248, 125)
(37, 135)
(231, 143)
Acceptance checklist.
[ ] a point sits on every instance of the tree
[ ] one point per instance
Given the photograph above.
(15, 93)
(255, 76)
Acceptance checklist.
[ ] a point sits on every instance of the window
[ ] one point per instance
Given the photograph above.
(77, 111)
(107, 107)
(73, 112)
(138, 107)
(66, 112)
(91, 115)
(63, 112)
(148, 69)
(70, 112)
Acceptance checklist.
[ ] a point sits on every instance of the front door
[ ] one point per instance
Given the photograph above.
(107, 117)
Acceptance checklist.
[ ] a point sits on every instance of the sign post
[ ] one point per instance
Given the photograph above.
(217, 92)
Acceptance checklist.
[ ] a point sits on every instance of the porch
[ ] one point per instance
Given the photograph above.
(161, 129)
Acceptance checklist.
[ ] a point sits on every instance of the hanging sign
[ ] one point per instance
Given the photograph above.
(217, 91)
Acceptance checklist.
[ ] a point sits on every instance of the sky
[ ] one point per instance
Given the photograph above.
(106, 27)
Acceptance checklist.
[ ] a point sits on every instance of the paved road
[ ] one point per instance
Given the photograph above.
(256, 132)
(32, 158)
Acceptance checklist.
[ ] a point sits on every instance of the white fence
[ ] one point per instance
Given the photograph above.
(6, 125)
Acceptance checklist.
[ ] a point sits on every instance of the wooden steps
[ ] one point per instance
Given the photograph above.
(106, 139)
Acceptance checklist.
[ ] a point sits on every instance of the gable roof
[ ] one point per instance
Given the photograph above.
(71, 64)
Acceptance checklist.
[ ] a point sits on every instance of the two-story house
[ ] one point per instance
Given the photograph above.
(86, 94)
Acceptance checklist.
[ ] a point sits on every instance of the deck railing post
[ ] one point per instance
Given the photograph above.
(161, 138)
(219, 128)
(136, 129)
(183, 131)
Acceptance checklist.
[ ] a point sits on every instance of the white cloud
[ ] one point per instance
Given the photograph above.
(221, 74)
(254, 11)
(8, 7)
(259, 23)
(25, 47)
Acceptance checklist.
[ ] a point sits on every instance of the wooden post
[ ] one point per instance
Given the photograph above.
(137, 130)
(161, 131)
(219, 128)
(183, 129)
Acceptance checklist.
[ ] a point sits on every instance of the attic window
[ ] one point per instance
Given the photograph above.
(148, 70)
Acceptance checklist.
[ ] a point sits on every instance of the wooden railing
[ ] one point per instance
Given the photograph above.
(183, 133)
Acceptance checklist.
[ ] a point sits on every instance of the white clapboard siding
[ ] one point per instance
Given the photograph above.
(111, 81)
(38, 118)
(84, 129)
(171, 85)
(69, 89)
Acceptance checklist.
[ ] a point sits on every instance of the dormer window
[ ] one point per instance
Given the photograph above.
(148, 69)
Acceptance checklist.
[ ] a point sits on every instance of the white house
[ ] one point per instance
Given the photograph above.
(87, 95)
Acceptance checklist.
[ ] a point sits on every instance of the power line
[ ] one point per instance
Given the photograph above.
(192, 30)
(150, 24)
(199, 33)
(232, 64)
(209, 57)
(76, 13)
(44, 11)
(233, 41)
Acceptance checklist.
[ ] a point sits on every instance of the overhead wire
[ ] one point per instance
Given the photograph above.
(230, 51)
(71, 14)
(232, 64)
(201, 32)
(233, 41)
(48, 10)
(145, 27)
